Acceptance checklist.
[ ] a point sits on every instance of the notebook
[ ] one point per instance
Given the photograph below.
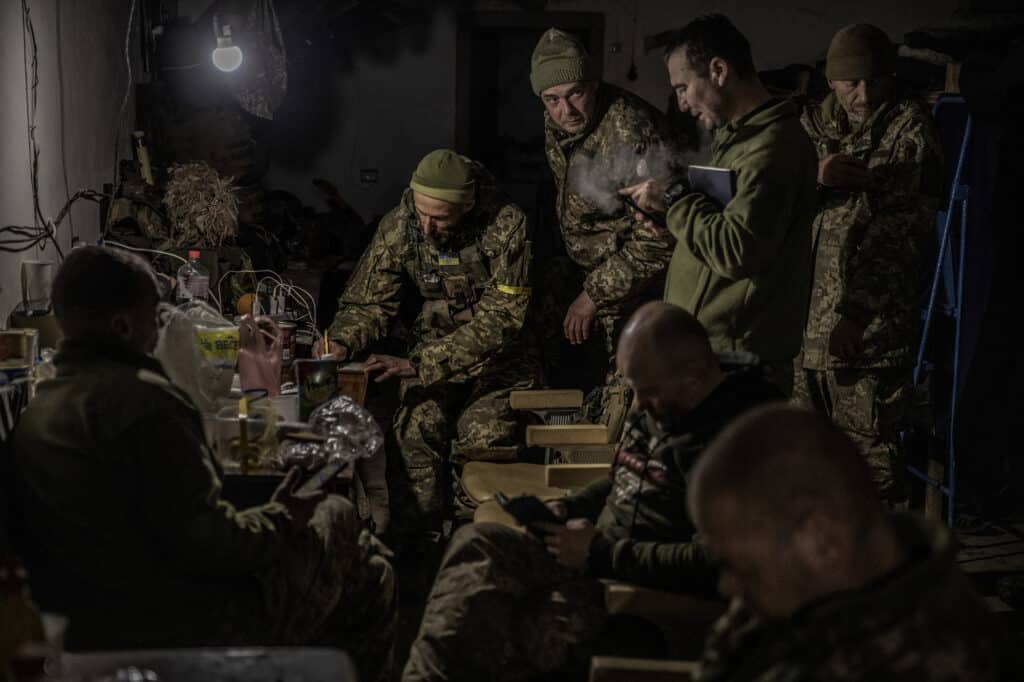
(717, 183)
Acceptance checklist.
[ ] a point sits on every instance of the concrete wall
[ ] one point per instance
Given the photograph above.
(389, 113)
(74, 132)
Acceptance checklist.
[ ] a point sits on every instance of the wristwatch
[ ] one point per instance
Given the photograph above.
(674, 193)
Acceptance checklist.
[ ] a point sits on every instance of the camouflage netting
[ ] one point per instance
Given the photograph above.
(202, 206)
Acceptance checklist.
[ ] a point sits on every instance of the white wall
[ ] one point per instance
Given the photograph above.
(389, 114)
(91, 46)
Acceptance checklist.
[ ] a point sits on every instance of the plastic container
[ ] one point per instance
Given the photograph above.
(193, 280)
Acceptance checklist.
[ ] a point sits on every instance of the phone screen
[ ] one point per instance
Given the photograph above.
(526, 509)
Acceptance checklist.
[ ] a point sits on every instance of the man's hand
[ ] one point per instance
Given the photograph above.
(389, 366)
(300, 508)
(336, 349)
(842, 171)
(569, 544)
(846, 340)
(649, 195)
(579, 319)
(558, 508)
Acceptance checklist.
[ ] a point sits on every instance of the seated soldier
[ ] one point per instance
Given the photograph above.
(825, 584)
(631, 526)
(462, 247)
(119, 512)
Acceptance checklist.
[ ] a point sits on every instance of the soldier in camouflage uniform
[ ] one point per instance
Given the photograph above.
(879, 180)
(825, 583)
(463, 246)
(614, 138)
(503, 608)
(120, 514)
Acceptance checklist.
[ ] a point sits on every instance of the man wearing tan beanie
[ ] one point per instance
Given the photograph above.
(595, 137)
(879, 178)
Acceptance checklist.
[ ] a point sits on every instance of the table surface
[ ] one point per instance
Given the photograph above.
(272, 664)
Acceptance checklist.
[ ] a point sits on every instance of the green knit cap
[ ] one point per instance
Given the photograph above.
(859, 52)
(559, 58)
(444, 175)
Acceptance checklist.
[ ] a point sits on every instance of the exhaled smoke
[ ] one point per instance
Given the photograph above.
(599, 178)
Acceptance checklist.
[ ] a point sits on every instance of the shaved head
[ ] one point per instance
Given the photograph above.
(664, 355)
(782, 462)
(785, 504)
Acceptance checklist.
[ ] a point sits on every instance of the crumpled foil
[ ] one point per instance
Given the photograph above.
(351, 434)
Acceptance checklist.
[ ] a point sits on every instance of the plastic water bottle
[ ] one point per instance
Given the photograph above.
(193, 280)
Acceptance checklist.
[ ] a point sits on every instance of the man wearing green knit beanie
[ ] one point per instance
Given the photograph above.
(596, 139)
(458, 247)
(879, 178)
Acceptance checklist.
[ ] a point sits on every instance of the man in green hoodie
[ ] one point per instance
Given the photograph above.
(824, 583)
(599, 138)
(879, 180)
(742, 268)
(509, 605)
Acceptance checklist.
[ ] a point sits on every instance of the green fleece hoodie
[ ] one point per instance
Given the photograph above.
(745, 270)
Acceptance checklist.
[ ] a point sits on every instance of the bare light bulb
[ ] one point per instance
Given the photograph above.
(227, 56)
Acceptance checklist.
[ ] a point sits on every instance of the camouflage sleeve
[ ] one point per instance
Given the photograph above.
(373, 293)
(747, 235)
(645, 251)
(900, 207)
(643, 256)
(499, 314)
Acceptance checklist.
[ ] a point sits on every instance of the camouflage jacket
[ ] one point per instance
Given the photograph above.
(475, 291)
(126, 530)
(621, 258)
(645, 535)
(871, 247)
(923, 623)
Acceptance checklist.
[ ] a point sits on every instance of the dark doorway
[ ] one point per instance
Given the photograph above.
(498, 118)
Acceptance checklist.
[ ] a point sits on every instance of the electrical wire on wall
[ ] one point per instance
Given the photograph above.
(119, 124)
(63, 122)
(21, 238)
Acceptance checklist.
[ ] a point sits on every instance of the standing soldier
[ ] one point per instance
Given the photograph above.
(879, 178)
(595, 129)
(463, 247)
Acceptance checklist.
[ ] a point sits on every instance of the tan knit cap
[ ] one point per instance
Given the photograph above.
(859, 52)
(560, 58)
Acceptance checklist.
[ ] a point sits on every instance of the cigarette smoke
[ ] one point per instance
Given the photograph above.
(599, 179)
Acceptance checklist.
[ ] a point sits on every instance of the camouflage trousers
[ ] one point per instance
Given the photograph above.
(502, 609)
(439, 428)
(872, 407)
(335, 588)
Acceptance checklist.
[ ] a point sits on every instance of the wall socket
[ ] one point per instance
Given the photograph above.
(368, 176)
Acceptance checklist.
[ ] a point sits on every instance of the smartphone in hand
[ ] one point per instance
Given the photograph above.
(526, 509)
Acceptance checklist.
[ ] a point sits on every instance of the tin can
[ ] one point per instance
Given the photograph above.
(19, 345)
(352, 382)
(317, 382)
(288, 329)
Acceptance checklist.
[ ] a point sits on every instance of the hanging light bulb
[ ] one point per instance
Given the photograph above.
(226, 56)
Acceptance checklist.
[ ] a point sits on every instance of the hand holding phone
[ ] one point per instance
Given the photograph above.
(527, 509)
